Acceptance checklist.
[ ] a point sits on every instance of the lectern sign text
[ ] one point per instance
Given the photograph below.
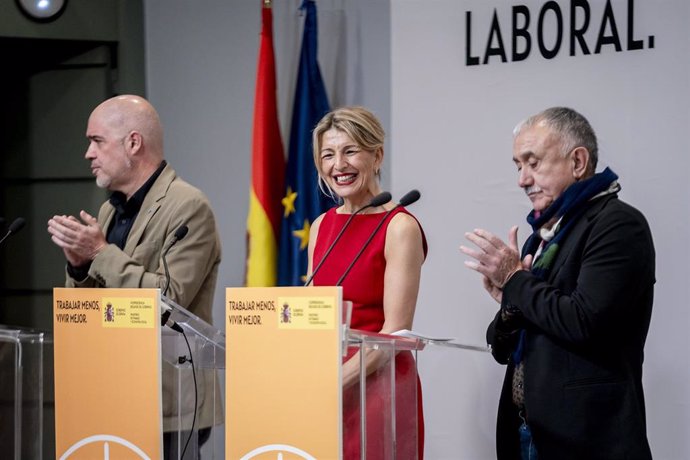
(107, 373)
(283, 381)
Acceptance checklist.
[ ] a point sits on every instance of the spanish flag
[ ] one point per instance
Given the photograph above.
(268, 167)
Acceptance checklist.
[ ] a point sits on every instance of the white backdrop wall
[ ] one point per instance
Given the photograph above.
(449, 130)
(451, 126)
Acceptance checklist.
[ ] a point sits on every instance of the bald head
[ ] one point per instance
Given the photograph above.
(130, 113)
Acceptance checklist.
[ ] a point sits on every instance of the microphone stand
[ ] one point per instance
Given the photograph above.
(180, 233)
(165, 317)
(366, 243)
(378, 200)
(409, 198)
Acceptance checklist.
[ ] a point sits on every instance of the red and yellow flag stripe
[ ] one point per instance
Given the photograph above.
(268, 167)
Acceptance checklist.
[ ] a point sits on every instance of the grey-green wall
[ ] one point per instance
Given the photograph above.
(53, 75)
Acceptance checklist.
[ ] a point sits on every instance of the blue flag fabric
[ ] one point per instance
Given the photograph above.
(303, 201)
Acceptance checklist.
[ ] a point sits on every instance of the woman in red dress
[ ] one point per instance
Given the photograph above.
(382, 285)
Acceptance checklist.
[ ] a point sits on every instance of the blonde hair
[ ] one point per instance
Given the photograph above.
(358, 123)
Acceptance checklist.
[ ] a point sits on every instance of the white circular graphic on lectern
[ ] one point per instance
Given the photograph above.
(278, 449)
(105, 439)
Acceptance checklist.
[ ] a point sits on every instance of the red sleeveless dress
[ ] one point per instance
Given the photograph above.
(364, 287)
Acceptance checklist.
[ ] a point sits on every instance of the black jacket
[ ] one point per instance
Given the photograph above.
(586, 328)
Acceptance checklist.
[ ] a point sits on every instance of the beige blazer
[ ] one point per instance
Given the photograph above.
(192, 262)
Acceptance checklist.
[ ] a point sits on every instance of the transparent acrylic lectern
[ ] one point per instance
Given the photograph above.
(207, 345)
(23, 353)
(388, 428)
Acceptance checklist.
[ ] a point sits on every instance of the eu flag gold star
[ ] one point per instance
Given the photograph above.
(289, 202)
(303, 235)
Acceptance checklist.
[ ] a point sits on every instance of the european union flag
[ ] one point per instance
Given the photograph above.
(303, 201)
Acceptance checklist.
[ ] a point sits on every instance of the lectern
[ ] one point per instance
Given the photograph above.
(388, 428)
(124, 384)
(22, 358)
(285, 395)
(207, 344)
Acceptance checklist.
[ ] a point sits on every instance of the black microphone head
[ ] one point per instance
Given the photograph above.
(181, 232)
(380, 199)
(17, 225)
(410, 197)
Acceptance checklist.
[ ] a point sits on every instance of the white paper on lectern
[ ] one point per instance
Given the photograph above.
(416, 335)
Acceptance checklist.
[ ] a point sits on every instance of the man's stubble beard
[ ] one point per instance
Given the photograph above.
(106, 182)
(103, 182)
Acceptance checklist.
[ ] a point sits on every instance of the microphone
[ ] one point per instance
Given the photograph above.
(380, 199)
(410, 197)
(180, 233)
(166, 321)
(16, 225)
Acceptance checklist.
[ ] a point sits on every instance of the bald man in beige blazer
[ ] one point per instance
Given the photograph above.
(123, 247)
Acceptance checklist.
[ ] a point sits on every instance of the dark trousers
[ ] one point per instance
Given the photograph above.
(171, 443)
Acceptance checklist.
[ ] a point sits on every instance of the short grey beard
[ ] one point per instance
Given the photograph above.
(103, 183)
(106, 182)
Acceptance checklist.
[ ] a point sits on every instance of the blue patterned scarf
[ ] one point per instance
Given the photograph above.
(565, 211)
(562, 214)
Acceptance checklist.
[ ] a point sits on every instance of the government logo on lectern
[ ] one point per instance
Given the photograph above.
(109, 313)
(285, 313)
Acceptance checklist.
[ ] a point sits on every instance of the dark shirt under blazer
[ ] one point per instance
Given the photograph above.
(193, 262)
